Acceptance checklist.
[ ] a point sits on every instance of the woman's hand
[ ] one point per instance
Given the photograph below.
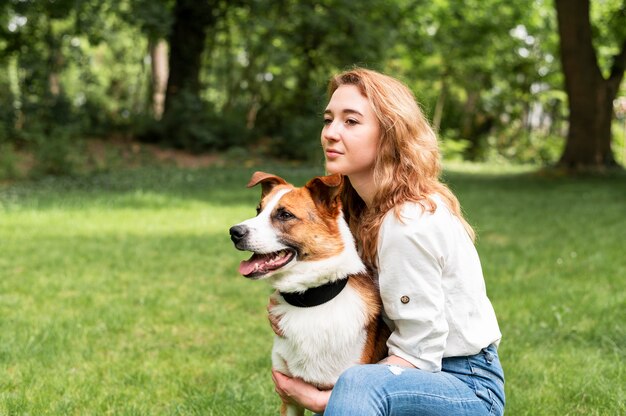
(296, 391)
(273, 318)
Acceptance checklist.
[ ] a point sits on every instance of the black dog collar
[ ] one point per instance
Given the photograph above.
(316, 295)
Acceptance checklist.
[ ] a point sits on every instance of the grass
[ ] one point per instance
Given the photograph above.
(119, 292)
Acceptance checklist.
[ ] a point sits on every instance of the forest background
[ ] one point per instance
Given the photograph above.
(525, 82)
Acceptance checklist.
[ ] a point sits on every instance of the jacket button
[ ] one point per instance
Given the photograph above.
(405, 299)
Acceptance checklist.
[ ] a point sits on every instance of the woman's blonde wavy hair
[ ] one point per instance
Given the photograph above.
(407, 165)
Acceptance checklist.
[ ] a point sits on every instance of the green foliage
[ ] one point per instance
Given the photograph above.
(120, 293)
(153, 17)
(299, 139)
(452, 149)
(57, 152)
(192, 124)
(277, 70)
(619, 143)
(8, 161)
(609, 30)
(7, 109)
(189, 124)
(487, 71)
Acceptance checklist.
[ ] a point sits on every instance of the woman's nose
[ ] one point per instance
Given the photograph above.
(330, 132)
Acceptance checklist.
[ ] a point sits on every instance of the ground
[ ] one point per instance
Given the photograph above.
(111, 153)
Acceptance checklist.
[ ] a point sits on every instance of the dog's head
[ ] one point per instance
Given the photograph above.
(293, 227)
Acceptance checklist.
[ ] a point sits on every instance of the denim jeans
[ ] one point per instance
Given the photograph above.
(471, 385)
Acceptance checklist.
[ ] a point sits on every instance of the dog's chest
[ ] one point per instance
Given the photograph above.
(322, 341)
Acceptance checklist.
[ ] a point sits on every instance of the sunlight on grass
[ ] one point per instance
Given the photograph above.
(120, 294)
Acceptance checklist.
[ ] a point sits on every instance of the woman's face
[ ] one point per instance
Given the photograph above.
(351, 133)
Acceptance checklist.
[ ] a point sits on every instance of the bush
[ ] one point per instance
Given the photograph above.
(298, 140)
(56, 149)
(453, 149)
(191, 124)
(8, 162)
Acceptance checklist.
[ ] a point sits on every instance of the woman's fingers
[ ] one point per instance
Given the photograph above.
(278, 379)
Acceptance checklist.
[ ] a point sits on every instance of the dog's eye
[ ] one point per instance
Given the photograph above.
(258, 209)
(284, 215)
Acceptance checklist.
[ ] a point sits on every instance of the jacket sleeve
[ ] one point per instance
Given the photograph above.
(411, 260)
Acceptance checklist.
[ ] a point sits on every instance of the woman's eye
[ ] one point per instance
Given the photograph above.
(351, 122)
(327, 121)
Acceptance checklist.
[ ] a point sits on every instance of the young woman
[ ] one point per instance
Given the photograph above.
(443, 356)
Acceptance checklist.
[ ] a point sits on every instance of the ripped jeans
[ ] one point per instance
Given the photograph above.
(471, 385)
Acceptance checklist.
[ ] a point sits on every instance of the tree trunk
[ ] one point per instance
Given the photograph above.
(192, 18)
(55, 60)
(467, 125)
(158, 57)
(588, 144)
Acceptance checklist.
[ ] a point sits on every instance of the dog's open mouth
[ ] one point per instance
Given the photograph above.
(260, 264)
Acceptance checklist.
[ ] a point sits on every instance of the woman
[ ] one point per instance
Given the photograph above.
(442, 350)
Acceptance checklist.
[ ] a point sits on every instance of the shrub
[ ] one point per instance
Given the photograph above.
(56, 149)
(299, 139)
(190, 123)
(8, 162)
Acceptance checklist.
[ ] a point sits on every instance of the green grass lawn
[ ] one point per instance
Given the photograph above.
(119, 292)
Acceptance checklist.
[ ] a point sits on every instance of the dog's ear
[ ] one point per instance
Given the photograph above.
(325, 191)
(267, 180)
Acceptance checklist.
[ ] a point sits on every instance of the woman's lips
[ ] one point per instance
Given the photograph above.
(332, 154)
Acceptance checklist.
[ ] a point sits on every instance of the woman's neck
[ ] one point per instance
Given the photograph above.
(364, 186)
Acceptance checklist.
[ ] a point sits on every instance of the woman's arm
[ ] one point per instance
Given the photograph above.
(411, 256)
(295, 390)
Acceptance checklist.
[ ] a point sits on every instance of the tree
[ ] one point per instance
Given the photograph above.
(324, 36)
(476, 66)
(187, 41)
(590, 93)
(155, 20)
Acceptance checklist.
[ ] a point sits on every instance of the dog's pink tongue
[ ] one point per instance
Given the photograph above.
(249, 266)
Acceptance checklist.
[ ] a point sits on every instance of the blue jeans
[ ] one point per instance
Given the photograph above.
(471, 385)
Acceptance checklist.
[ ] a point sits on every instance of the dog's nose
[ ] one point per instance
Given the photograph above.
(238, 232)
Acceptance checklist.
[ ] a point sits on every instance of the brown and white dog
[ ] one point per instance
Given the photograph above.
(329, 306)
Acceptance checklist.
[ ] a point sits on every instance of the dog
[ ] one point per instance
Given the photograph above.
(328, 305)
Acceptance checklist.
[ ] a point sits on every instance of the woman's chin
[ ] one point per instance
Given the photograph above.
(332, 168)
